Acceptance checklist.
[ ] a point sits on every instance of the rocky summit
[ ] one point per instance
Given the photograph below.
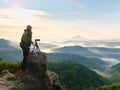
(37, 78)
(6, 81)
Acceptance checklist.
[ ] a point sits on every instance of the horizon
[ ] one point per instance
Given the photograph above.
(60, 20)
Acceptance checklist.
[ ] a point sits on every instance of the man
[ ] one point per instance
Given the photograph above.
(25, 44)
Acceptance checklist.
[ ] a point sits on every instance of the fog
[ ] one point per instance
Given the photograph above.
(111, 61)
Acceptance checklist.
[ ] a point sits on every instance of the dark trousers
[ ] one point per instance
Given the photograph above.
(25, 58)
(25, 50)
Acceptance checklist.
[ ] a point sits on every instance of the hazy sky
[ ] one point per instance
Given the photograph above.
(58, 20)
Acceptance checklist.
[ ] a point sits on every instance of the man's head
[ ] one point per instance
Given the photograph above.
(29, 27)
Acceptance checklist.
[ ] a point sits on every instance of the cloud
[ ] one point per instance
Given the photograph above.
(48, 29)
(111, 61)
(9, 2)
(19, 16)
(52, 29)
(3, 16)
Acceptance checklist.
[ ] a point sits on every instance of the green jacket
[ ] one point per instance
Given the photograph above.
(26, 37)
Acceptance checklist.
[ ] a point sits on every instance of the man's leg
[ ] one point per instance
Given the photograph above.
(25, 58)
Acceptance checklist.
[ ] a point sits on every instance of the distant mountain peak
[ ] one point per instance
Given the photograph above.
(7, 45)
(3, 40)
(75, 39)
(78, 38)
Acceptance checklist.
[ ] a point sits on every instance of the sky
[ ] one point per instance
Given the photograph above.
(60, 20)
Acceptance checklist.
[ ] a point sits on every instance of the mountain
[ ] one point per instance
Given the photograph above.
(69, 73)
(115, 73)
(9, 51)
(87, 56)
(78, 50)
(76, 38)
(6, 45)
(106, 52)
(11, 55)
(94, 43)
(76, 76)
(109, 55)
(116, 68)
(93, 63)
(38, 77)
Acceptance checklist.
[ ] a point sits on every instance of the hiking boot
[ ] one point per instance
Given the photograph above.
(30, 53)
(24, 71)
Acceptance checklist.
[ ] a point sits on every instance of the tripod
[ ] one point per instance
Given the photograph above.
(36, 47)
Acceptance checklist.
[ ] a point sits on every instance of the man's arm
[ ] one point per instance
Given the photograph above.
(30, 35)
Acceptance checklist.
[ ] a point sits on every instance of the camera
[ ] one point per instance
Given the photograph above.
(37, 39)
(36, 47)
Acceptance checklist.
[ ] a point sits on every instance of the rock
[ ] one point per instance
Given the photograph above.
(5, 83)
(38, 77)
(53, 77)
(54, 81)
(7, 75)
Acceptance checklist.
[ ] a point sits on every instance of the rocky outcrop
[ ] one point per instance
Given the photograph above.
(38, 77)
(6, 80)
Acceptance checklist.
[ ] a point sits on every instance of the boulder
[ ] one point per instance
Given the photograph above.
(38, 77)
(6, 80)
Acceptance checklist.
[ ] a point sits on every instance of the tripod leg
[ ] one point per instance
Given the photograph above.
(33, 49)
(38, 49)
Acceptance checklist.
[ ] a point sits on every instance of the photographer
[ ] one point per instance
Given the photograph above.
(26, 41)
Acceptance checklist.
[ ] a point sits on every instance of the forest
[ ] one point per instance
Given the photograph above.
(72, 75)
